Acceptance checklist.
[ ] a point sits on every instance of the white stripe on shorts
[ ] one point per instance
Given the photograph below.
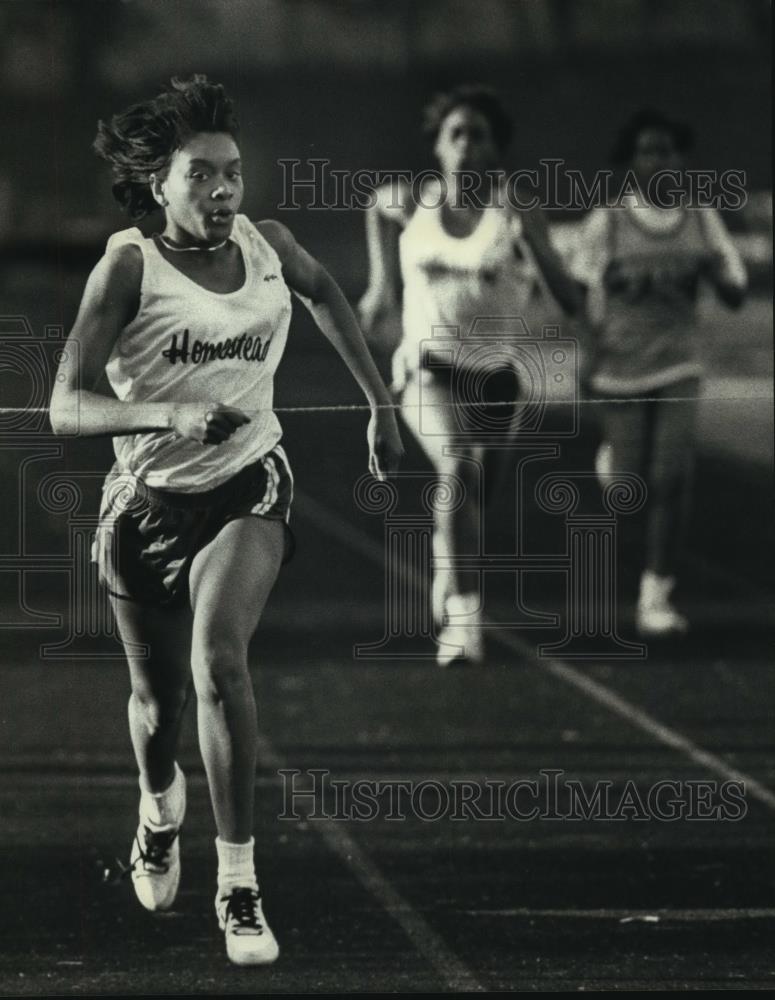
(281, 452)
(270, 495)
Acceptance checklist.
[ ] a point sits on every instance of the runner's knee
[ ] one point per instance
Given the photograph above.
(158, 710)
(219, 666)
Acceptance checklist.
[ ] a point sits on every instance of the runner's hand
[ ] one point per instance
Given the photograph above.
(207, 424)
(385, 447)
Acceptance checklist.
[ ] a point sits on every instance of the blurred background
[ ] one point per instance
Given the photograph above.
(346, 80)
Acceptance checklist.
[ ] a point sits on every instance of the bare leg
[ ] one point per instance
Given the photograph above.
(626, 429)
(670, 475)
(231, 579)
(161, 683)
(459, 530)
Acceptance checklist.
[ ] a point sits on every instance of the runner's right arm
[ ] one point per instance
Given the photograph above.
(384, 223)
(110, 301)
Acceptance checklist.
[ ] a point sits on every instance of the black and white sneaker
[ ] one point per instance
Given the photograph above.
(155, 865)
(249, 940)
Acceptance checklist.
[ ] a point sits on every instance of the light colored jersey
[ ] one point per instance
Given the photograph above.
(463, 283)
(642, 266)
(188, 344)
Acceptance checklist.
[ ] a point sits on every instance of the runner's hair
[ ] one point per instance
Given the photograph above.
(140, 141)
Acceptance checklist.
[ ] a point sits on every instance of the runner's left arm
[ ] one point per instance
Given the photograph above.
(312, 283)
(724, 266)
(568, 292)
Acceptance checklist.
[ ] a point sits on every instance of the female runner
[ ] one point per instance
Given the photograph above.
(469, 262)
(643, 262)
(189, 325)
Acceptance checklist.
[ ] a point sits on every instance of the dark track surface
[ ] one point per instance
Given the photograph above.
(409, 905)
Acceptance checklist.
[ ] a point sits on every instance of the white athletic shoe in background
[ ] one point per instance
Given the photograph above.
(249, 939)
(155, 856)
(655, 615)
(461, 638)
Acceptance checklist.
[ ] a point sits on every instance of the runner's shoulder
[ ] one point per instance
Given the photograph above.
(119, 272)
(394, 201)
(277, 235)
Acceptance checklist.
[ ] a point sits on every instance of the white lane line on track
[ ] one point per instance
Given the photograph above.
(700, 915)
(646, 723)
(332, 523)
(456, 976)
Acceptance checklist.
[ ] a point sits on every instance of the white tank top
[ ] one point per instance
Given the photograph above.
(453, 282)
(188, 344)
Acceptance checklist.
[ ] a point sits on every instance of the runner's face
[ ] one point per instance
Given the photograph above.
(654, 151)
(203, 188)
(465, 142)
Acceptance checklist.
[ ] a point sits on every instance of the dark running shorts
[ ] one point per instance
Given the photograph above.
(147, 538)
(479, 389)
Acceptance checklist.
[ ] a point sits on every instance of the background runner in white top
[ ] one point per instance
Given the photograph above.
(464, 257)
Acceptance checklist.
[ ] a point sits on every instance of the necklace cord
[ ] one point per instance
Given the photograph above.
(166, 243)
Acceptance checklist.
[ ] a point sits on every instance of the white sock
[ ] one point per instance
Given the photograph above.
(165, 808)
(235, 866)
